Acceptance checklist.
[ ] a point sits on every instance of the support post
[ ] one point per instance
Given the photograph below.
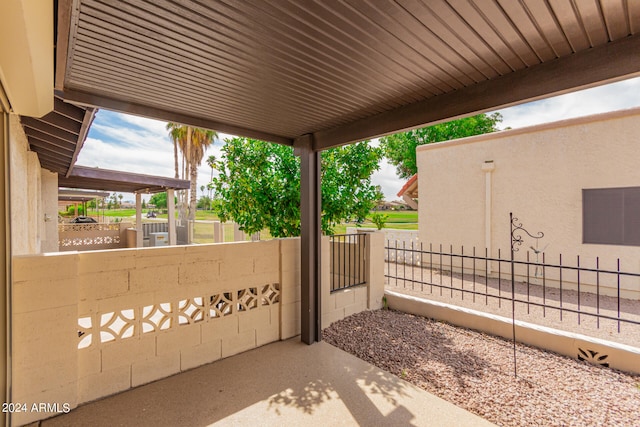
(218, 232)
(171, 216)
(139, 236)
(310, 237)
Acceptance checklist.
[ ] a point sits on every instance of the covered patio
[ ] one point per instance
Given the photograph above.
(311, 75)
(82, 177)
(315, 76)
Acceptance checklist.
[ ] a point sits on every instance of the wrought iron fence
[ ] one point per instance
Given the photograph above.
(348, 261)
(549, 285)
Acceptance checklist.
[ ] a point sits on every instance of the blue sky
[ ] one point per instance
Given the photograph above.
(137, 144)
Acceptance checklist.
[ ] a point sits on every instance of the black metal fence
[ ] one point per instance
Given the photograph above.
(559, 286)
(348, 260)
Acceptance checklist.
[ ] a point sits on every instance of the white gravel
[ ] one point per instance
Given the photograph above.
(475, 371)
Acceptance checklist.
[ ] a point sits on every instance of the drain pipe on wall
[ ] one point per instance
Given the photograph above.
(487, 167)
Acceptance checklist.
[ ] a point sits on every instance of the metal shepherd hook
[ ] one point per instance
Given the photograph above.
(516, 240)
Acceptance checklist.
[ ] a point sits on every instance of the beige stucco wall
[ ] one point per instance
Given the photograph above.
(539, 173)
(34, 194)
(24, 200)
(49, 190)
(26, 57)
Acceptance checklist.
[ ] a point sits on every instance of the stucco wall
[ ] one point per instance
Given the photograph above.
(30, 233)
(49, 187)
(538, 174)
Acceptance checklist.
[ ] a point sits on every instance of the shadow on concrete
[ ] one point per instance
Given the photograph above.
(284, 383)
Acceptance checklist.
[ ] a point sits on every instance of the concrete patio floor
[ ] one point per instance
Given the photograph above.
(284, 383)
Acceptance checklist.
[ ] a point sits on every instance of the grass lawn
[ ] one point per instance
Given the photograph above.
(400, 220)
(401, 217)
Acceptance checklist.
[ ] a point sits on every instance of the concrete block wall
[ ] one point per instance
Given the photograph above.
(90, 324)
(44, 332)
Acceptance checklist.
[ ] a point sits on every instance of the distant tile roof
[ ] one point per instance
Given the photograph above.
(410, 187)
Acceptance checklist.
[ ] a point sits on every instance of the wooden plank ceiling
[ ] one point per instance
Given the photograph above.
(58, 136)
(340, 70)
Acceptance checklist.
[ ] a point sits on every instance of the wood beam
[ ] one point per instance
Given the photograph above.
(48, 129)
(57, 150)
(310, 239)
(61, 121)
(68, 110)
(617, 60)
(101, 101)
(127, 177)
(62, 40)
(46, 139)
(89, 115)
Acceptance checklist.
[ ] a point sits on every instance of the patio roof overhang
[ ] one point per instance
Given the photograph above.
(58, 136)
(321, 74)
(340, 71)
(83, 177)
(69, 195)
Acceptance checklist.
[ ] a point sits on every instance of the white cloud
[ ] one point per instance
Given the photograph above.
(136, 144)
(386, 178)
(615, 96)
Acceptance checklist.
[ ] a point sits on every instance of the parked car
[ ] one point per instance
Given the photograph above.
(83, 220)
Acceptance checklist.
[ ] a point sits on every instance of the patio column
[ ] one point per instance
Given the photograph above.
(171, 216)
(310, 238)
(139, 236)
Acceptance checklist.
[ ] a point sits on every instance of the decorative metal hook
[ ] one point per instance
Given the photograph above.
(516, 237)
(516, 240)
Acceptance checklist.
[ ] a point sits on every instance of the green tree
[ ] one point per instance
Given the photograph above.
(258, 185)
(193, 142)
(204, 202)
(159, 200)
(400, 148)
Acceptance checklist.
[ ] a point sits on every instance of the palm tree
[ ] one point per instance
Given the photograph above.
(192, 142)
(176, 133)
(201, 139)
(211, 161)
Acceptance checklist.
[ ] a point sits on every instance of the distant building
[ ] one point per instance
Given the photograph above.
(409, 192)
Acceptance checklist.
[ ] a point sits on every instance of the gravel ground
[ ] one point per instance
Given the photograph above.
(629, 333)
(475, 372)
